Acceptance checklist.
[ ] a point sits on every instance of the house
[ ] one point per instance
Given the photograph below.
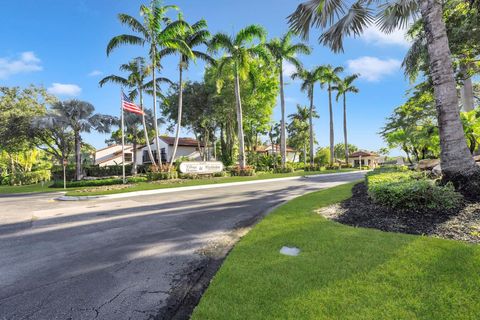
(187, 147)
(112, 155)
(364, 159)
(275, 149)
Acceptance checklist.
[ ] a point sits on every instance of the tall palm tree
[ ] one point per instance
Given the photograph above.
(152, 33)
(238, 49)
(347, 19)
(343, 87)
(299, 128)
(193, 35)
(329, 76)
(283, 50)
(137, 73)
(79, 117)
(309, 78)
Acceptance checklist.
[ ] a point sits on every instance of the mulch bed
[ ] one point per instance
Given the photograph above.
(359, 211)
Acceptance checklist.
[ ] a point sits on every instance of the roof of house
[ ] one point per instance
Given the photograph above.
(183, 142)
(112, 146)
(363, 154)
(276, 147)
(117, 154)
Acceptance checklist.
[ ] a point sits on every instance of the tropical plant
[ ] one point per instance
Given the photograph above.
(193, 36)
(79, 116)
(238, 49)
(328, 76)
(345, 19)
(152, 33)
(282, 49)
(137, 73)
(309, 78)
(298, 129)
(343, 87)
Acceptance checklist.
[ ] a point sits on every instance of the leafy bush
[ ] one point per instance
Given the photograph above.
(408, 190)
(106, 171)
(25, 178)
(57, 173)
(162, 175)
(88, 183)
(236, 171)
(314, 168)
(287, 169)
(334, 166)
(137, 179)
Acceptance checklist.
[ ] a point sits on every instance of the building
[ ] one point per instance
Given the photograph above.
(292, 154)
(364, 159)
(187, 147)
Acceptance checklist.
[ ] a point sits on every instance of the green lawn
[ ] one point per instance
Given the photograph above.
(186, 182)
(28, 188)
(342, 272)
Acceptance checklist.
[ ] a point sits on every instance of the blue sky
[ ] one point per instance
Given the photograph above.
(61, 45)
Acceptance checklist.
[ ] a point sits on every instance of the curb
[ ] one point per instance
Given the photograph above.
(190, 188)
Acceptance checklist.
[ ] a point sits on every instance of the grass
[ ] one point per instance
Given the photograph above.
(89, 191)
(32, 188)
(342, 272)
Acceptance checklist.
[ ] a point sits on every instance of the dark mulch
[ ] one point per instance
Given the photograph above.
(360, 211)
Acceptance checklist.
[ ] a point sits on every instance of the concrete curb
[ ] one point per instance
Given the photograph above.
(190, 188)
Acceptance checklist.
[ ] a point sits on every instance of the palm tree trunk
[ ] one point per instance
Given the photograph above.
(330, 111)
(283, 133)
(466, 92)
(345, 126)
(456, 160)
(145, 130)
(179, 116)
(155, 124)
(310, 119)
(241, 142)
(304, 154)
(78, 156)
(134, 153)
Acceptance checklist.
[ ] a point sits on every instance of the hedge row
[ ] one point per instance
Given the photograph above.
(24, 178)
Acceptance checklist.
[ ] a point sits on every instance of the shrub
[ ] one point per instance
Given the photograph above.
(162, 175)
(25, 178)
(236, 171)
(407, 190)
(334, 166)
(137, 179)
(287, 169)
(88, 183)
(314, 168)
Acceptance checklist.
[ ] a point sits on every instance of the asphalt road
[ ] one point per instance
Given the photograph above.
(121, 258)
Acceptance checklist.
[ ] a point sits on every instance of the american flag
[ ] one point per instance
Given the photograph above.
(129, 106)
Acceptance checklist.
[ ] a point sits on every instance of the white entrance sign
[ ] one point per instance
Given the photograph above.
(198, 167)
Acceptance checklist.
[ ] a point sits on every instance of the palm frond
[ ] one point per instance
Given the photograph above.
(250, 33)
(396, 14)
(114, 79)
(123, 39)
(133, 23)
(221, 41)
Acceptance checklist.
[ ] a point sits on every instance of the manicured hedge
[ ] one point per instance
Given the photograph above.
(155, 176)
(408, 190)
(98, 182)
(25, 178)
(248, 171)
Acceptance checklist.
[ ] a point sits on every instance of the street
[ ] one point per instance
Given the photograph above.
(122, 258)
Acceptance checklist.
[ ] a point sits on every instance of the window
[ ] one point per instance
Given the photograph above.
(128, 157)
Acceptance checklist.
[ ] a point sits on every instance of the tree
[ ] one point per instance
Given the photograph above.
(193, 36)
(299, 128)
(341, 153)
(309, 78)
(137, 73)
(238, 49)
(283, 50)
(329, 76)
(343, 19)
(79, 117)
(322, 157)
(274, 135)
(150, 33)
(343, 87)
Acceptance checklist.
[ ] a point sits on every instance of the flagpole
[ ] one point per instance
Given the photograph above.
(123, 137)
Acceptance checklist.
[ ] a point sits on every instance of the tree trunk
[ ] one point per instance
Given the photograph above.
(304, 154)
(155, 124)
(311, 127)
(283, 133)
(145, 130)
(345, 126)
(134, 154)
(466, 92)
(456, 160)
(330, 111)
(241, 142)
(78, 156)
(179, 115)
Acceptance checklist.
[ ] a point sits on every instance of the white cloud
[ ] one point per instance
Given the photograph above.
(376, 37)
(373, 68)
(62, 89)
(288, 69)
(27, 62)
(95, 73)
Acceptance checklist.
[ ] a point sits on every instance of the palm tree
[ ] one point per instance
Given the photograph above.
(283, 50)
(309, 78)
(150, 33)
(343, 87)
(298, 129)
(138, 71)
(238, 50)
(345, 19)
(79, 117)
(329, 76)
(193, 36)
